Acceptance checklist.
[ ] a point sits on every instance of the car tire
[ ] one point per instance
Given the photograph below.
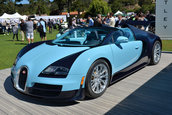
(97, 79)
(156, 53)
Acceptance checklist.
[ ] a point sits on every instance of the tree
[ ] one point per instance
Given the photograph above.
(121, 4)
(98, 7)
(2, 6)
(146, 5)
(77, 5)
(124, 2)
(60, 4)
(116, 5)
(144, 2)
(80, 5)
(39, 6)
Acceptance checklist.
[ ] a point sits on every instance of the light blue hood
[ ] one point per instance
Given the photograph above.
(38, 58)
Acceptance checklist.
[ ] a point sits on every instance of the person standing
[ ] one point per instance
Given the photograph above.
(74, 23)
(29, 30)
(42, 29)
(111, 21)
(98, 21)
(15, 32)
(34, 26)
(4, 24)
(23, 29)
(8, 28)
(90, 22)
(50, 25)
(120, 21)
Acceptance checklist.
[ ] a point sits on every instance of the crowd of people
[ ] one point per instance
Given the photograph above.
(112, 20)
(29, 27)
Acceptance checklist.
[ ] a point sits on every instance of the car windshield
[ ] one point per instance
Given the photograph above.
(81, 37)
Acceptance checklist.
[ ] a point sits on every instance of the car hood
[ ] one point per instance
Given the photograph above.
(38, 58)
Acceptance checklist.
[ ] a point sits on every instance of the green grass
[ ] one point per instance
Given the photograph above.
(10, 48)
(167, 45)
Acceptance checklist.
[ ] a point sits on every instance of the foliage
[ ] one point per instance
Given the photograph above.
(144, 2)
(116, 5)
(39, 7)
(92, 7)
(78, 5)
(60, 4)
(121, 4)
(98, 7)
(150, 8)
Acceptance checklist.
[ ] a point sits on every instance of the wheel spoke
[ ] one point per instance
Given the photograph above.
(104, 76)
(94, 87)
(92, 82)
(102, 81)
(103, 72)
(97, 88)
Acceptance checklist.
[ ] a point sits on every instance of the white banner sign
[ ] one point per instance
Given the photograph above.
(164, 18)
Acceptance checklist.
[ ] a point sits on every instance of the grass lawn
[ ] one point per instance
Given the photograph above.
(167, 45)
(10, 48)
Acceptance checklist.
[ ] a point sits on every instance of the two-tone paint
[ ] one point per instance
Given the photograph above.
(38, 56)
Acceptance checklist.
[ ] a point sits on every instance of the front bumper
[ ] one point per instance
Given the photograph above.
(45, 90)
(37, 91)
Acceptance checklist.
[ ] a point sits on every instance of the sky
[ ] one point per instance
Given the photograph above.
(26, 2)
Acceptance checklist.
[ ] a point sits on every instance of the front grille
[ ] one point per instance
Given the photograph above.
(47, 87)
(45, 90)
(22, 77)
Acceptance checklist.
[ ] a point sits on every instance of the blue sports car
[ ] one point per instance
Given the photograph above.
(83, 61)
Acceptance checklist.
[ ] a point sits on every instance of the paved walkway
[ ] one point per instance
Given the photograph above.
(148, 91)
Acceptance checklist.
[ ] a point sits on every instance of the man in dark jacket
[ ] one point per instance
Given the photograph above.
(50, 25)
(120, 21)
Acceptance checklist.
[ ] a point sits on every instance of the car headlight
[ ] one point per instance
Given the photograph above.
(55, 70)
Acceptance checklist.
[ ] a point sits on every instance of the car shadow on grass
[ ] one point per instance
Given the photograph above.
(21, 43)
(40, 101)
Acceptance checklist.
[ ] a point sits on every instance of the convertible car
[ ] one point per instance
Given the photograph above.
(83, 61)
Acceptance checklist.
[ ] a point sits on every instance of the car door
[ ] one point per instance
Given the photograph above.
(125, 54)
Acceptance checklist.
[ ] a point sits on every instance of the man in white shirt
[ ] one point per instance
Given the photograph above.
(29, 30)
(112, 21)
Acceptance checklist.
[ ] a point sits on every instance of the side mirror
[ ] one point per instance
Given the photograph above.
(121, 39)
(58, 35)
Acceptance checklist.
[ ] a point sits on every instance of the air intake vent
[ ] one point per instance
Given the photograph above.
(23, 77)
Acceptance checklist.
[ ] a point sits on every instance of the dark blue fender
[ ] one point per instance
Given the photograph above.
(147, 38)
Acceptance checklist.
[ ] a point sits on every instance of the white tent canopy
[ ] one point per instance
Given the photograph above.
(5, 16)
(118, 12)
(17, 15)
(13, 16)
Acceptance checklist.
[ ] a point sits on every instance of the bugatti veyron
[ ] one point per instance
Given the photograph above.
(83, 61)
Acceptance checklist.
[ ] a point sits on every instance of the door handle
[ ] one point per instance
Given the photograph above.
(137, 47)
